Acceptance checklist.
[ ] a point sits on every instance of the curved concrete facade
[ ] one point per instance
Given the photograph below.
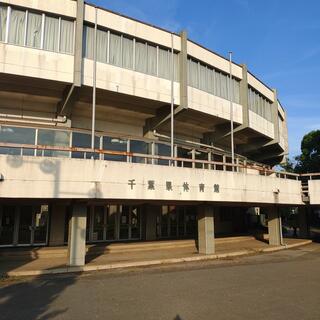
(127, 179)
(201, 115)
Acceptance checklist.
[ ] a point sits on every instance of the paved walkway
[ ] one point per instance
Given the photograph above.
(131, 255)
(277, 286)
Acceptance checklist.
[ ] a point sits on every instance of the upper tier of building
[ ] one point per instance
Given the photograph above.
(53, 41)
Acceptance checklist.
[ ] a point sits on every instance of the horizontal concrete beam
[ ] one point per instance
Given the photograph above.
(163, 116)
(65, 178)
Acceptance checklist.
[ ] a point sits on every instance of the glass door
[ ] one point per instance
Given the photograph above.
(173, 221)
(124, 222)
(115, 222)
(99, 224)
(25, 225)
(40, 224)
(111, 222)
(7, 224)
(191, 221)
(181, 222)
(135, 223)
(164, 222)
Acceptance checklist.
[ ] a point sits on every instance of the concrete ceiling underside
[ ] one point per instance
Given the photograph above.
(32, 86)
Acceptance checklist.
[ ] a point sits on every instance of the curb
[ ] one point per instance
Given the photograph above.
(146, 246)
(147, 263)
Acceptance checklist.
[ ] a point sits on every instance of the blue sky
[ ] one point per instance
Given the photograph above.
(279, 40)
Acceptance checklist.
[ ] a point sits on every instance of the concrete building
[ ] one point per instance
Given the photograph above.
(129, 181)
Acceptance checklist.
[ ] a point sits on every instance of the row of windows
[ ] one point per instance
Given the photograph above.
(259, 104)
(61, 138)
(36, 30)
(176, 222)
(130, 53)
(42, 31)
(208, 79)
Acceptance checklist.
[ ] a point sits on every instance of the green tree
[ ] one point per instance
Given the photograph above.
(288, 166)
(309, 160)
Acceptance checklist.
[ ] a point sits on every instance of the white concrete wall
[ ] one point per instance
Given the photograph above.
(143, 31)
(130, 82)
(213, 105)
(32, 177)
(314, 191)
(36, 63)
(65, 7)
(59, 67)
(260, 124)
(131, 27)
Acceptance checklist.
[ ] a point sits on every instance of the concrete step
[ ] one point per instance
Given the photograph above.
(103, 248)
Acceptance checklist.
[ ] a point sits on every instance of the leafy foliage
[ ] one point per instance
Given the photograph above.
(309, 159)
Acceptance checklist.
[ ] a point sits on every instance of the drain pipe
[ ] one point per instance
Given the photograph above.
(4, 116)
(67, 98)
(94, 84)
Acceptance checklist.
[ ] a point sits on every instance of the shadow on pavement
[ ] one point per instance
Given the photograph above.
(33, 298)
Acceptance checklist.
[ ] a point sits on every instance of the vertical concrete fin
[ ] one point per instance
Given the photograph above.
(77, 73)
(244, 96)
(183, 63)
(275, 116)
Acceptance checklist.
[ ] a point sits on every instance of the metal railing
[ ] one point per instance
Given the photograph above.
(304, 178)
(240, 166)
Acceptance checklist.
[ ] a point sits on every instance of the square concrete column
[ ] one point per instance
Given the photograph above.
(206, 243)
(274, 227)
(77, 235)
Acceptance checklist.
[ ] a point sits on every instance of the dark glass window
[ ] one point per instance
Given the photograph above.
(83, 140)
(17, 135)
(137, 146)
(162, 150)
(186, 154)
(201, 156)
(53, 138)
(115, 144)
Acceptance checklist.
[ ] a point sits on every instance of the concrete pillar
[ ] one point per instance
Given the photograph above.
(274, 227)
(206, 243)
(77, 74)
(77, 235)
(303, 222)
(244, 96)
(57, 225)
(275, 116)
(151, 222)
(183, 64)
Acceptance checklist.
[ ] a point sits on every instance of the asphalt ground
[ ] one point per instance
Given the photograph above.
(280, 285)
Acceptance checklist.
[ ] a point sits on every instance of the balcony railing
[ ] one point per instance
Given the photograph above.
(98, 154)
(305, 177)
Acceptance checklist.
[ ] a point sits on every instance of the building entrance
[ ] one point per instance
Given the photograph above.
(110, 223)
(177, 222)
(23, 225)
